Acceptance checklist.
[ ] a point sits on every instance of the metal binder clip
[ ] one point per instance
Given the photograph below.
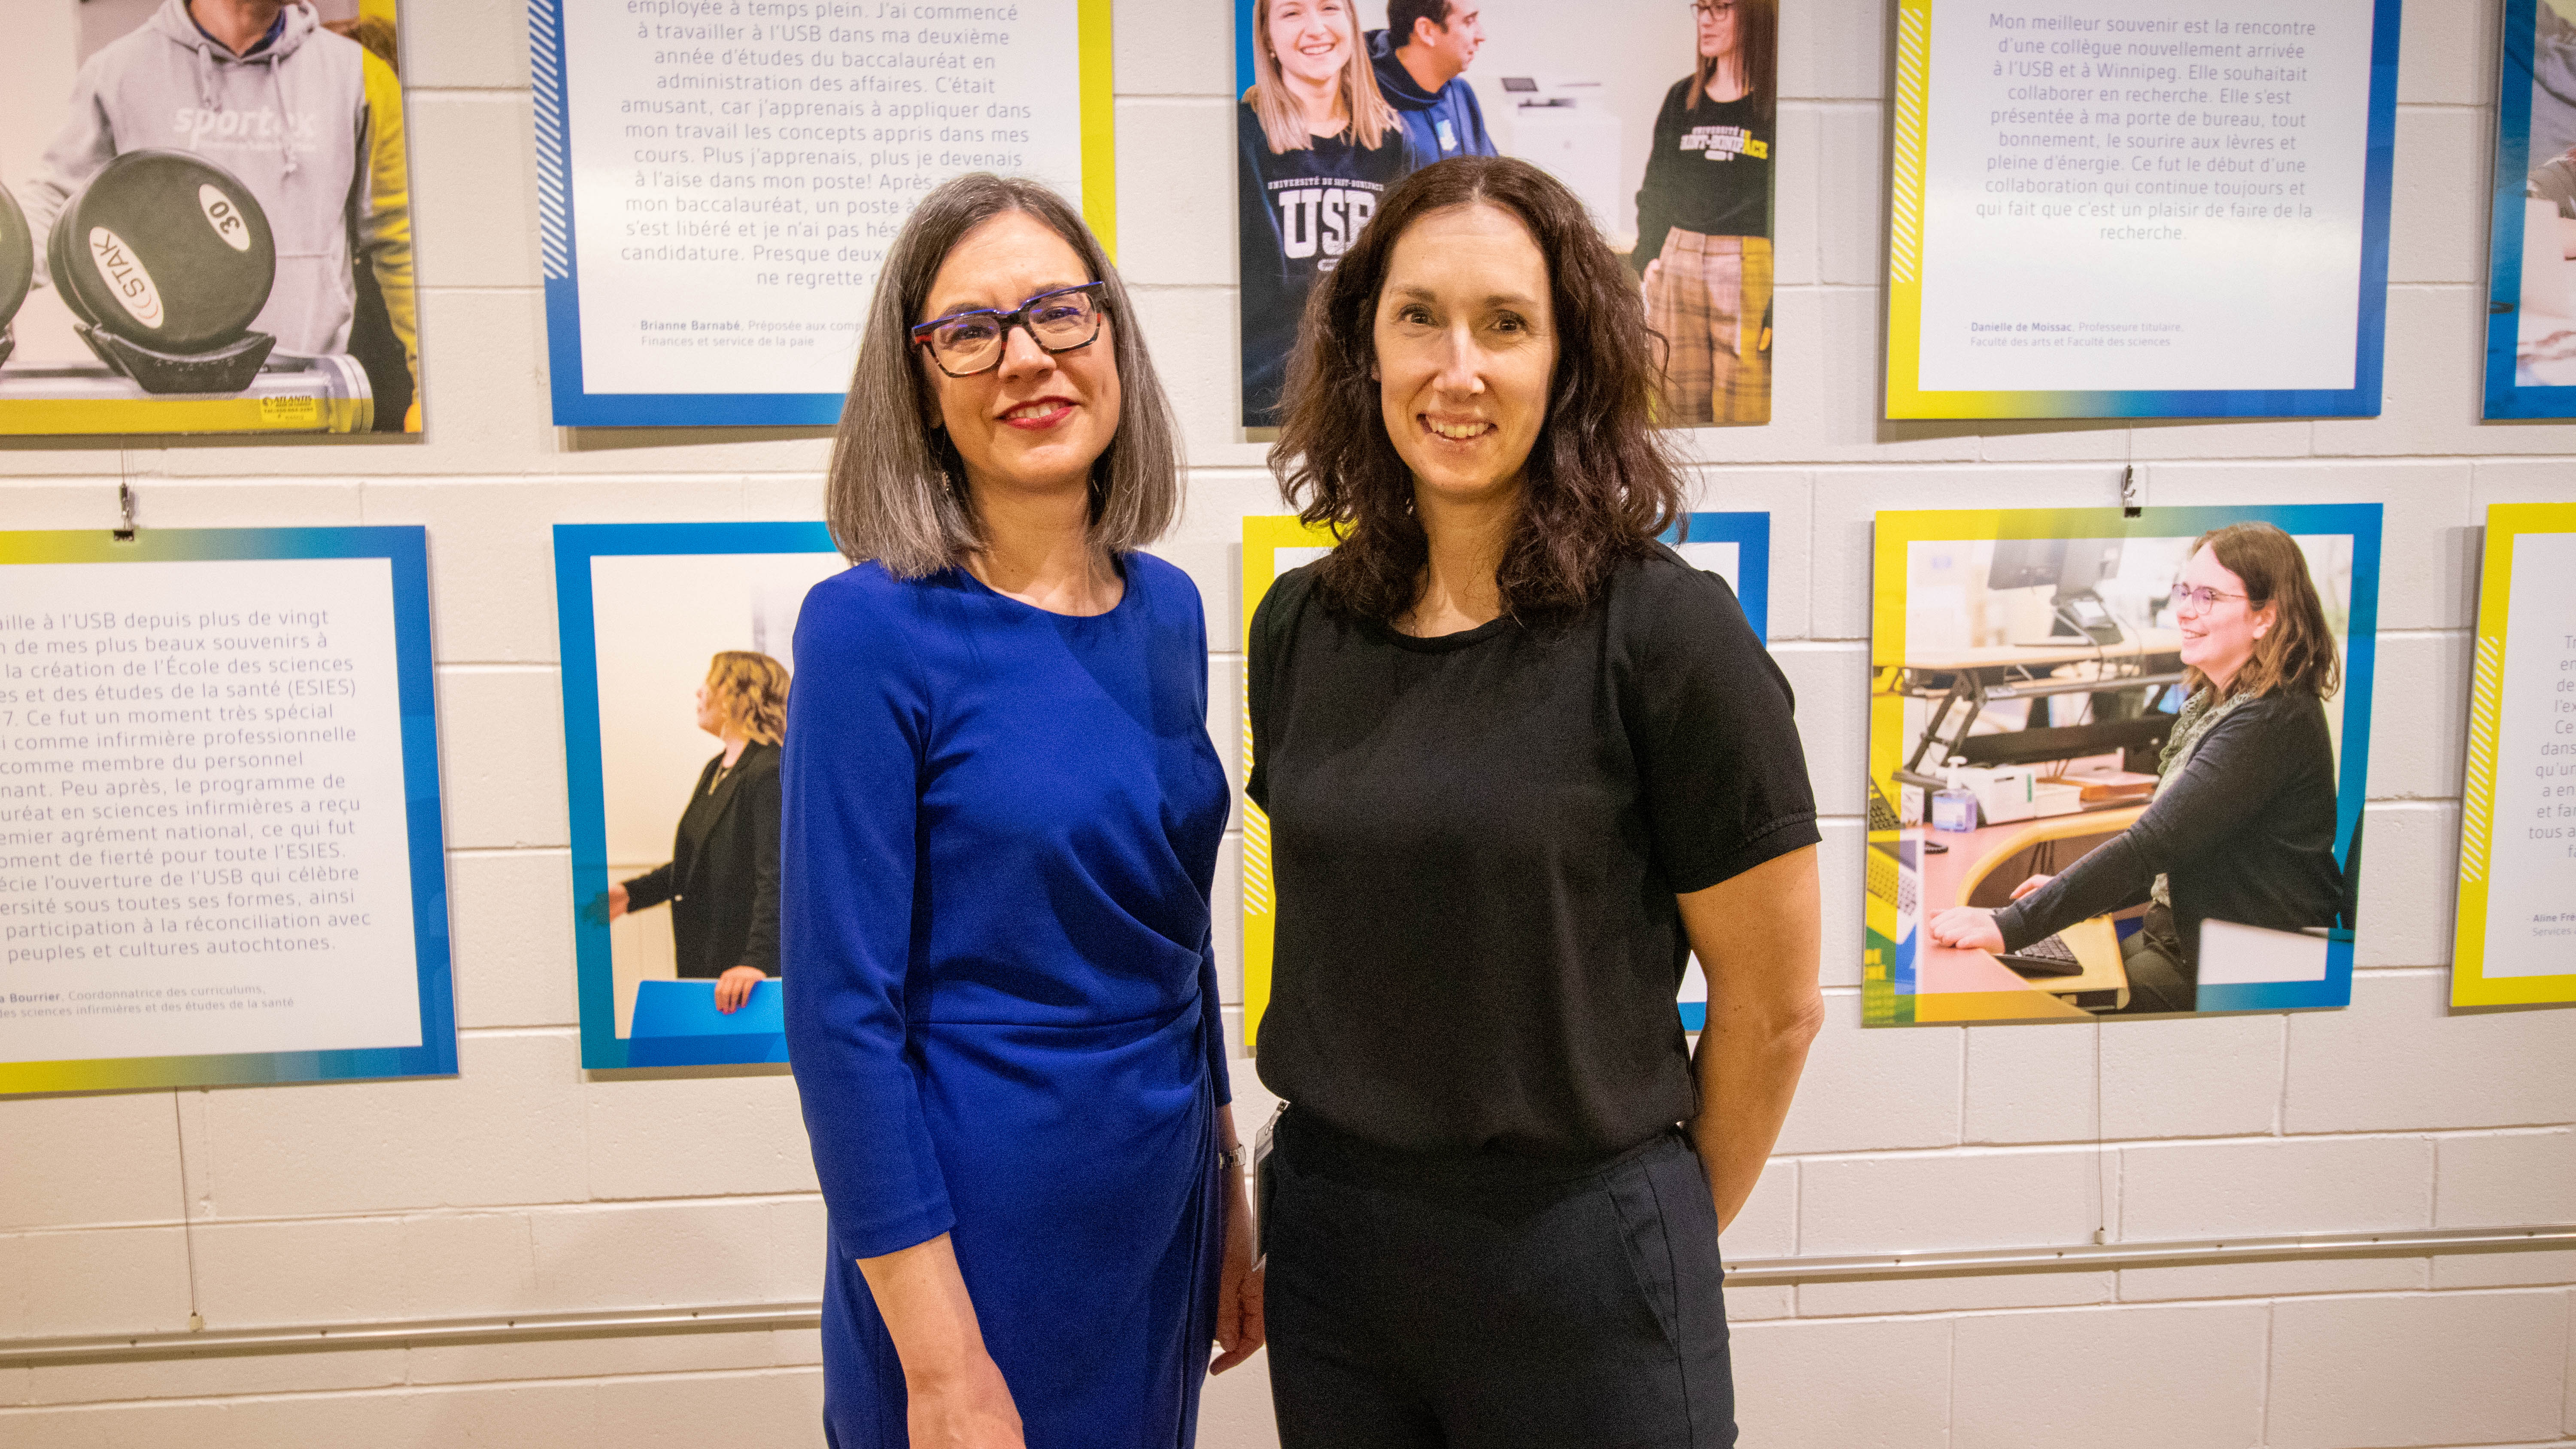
(125, 508)
(2129, 507)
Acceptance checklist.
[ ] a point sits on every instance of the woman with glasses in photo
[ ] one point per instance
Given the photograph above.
(2242, 827)
(1704, 219)
(1316, 144)
(1002, 820)
(1520, 763)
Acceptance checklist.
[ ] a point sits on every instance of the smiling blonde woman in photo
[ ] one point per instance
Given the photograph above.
(2242, 828)
(1317, 143)
(1520, 761)
(1002, 820)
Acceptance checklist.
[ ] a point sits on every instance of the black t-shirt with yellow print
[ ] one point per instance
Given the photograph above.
(1709, 171)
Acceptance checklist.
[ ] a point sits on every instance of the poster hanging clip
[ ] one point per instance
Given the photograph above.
(125, 510)
(2129, 506)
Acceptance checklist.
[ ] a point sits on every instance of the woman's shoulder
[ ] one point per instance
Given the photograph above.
(865, 608)
(2283, 711)
(1659, 582)
(1677, 95)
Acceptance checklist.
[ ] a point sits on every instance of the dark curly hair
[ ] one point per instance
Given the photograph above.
(1599, 484)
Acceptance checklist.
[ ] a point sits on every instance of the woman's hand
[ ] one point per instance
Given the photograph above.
(616, 901)
(1654, 273)
(2032, 884)
(1969, 926)
(734, 987)
(971, 1410)
(954, 1392)
(1239, 1331)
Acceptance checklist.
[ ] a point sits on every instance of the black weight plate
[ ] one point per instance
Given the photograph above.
(17, 257)
(165, 249)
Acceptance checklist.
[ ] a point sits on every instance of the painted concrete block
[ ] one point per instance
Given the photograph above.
(2398, 1059)
(2154, 1378)
(1884, 1385)
(2445, 1368)
(2195, 1191)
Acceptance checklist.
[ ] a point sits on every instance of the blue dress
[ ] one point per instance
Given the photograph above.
(1001, 826)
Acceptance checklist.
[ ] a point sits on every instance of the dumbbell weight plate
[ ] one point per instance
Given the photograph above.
(164, 249)
(17, 257)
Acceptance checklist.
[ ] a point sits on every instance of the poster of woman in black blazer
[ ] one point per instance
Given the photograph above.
(722, 878)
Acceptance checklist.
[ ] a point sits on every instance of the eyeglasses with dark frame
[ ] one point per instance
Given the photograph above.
(964, 344)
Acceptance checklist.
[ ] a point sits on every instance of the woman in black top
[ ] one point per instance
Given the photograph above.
(1316, 145)
(722, 877)
(1519, 762)
(2242, 828)
(1704, 219)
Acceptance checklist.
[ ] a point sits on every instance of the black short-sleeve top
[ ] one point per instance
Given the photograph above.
(1476, 841)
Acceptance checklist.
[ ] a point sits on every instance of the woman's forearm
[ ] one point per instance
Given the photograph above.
(922, 1297)
(1757, 937)
(1748, 1070)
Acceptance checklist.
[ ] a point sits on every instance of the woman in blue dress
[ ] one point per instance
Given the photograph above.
(1002, 814)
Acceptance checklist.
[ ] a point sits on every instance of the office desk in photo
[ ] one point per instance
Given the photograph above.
(677, 1024)
(1954, 983)
(1967, 679)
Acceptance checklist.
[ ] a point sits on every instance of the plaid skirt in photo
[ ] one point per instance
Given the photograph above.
(1711, 302)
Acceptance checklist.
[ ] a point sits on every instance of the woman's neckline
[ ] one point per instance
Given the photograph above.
(1117, 565)
(1440, 643)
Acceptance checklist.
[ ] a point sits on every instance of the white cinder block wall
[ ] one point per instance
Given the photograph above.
(524, 1187)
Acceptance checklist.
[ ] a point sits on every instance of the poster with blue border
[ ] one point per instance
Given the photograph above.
(2134, 209)
(2531, 279)
(2032, 666)
(221, 853)
(718, 182)
(654, 618)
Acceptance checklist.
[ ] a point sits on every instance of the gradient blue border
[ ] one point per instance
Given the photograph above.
(2362, 399)
(576, 544)
(1751, 534)
(406, 548)
(2505, 399)
(574, 406)
(2361, 521)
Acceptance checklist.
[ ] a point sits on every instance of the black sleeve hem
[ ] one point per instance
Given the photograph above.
(1781, 836)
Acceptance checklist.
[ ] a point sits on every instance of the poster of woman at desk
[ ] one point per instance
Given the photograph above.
(2117, 764)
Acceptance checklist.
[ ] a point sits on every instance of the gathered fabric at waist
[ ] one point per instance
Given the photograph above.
(1315, 1146)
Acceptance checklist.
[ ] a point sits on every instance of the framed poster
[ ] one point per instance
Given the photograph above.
(2065, 821)
(718, 183)
(2517, 919)
(1659, 115)
(220, 854)
(205, 224)
(2133, 209)
(678, 648)
(2531, 235)
(1734, 546)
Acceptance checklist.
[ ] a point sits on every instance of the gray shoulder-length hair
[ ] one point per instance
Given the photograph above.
(897, 489)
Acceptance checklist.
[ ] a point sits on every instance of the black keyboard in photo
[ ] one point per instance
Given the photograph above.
(2050, 956)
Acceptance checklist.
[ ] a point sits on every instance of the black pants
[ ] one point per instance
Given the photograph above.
(1483, 1304)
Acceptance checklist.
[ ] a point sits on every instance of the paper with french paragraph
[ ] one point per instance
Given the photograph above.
(204, 843)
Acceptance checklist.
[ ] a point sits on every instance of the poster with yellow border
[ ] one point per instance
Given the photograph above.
(2517, 920)
(205, 220)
